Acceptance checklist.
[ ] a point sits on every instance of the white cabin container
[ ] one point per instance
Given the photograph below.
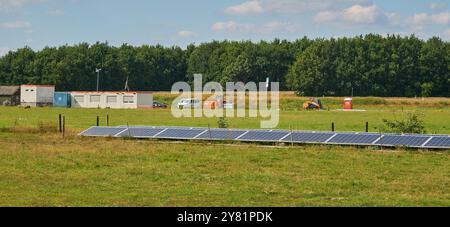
(112, 100)
(37, 95)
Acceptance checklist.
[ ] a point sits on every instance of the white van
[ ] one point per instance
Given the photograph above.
(228, 105)
(189, 103)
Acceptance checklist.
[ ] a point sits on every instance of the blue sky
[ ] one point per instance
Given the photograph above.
(40, 23)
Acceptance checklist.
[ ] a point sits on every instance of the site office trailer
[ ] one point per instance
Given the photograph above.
(37, 95)
(112, 100)
(62, 99)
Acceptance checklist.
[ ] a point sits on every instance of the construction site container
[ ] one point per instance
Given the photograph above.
(62, 99)
(37, 95)
(112, 100)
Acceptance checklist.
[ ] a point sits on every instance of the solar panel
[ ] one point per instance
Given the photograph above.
(439, 142)
(184, 133)
(219, 134)
(102, 131)
(140, 132)
(264, 136)
(308, 137)
(347, 138)
(403, 140)
(178, 133)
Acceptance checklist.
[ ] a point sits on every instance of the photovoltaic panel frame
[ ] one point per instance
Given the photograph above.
(299, 137)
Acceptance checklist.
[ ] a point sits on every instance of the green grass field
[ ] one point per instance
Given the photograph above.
(46, 170)
(437, 119)
(43, 169)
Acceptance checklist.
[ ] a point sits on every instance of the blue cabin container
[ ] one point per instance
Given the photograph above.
(62, 99)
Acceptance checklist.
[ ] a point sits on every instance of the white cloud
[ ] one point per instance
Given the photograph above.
(246, 8)
(186, 34)
(438, 5)
(326, 16)
(287, 6)
(355, 15)
(232, 26)
(421, 19)
(6, 5)
(56, 12)
(4, 51)
(273, 26)
(441, 18)
(276, 27)
(361, 15)
(15, 25)
(267, 28)
(394, 19)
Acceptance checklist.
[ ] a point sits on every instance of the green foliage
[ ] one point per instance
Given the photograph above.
(413, 123)
(153, 68)
(370, 65)
(223, 123)
(427, 88)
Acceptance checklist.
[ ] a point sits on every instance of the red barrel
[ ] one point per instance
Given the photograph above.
(348, 104)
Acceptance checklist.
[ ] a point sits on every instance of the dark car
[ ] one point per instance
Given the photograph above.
(158, 105)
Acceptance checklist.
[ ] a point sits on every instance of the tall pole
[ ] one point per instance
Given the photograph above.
(98, 77)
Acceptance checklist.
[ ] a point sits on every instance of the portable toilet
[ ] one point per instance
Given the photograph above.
(211, 105)
(348, 104)
(62, 99)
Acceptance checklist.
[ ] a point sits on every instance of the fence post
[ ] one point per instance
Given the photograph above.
(332, 127)
(107, 120)
(60, 123)
(98, 121)
(367, 126)
(64, 126)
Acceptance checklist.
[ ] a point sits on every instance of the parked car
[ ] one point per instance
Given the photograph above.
(158, 105)
(228, 105)
(189, 103)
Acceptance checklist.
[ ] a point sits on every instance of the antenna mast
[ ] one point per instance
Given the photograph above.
(127, 88)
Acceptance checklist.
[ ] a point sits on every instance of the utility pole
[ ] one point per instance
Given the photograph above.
(127, 88)
(98, 77)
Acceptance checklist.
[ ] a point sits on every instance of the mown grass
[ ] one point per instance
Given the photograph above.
(290, 101)
(46, 170)
(40, 168)
(435, 110)
(436, 119)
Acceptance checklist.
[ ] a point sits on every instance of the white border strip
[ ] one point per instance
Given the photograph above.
(196, 137)
(159, 133)
(378, 140)
(426, 142)
(245, 133)
(286, 136)
(328, 140)
(117, 135)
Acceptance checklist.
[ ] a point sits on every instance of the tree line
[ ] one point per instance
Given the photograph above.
(371, 65)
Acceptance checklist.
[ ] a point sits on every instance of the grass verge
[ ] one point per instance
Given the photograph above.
(46, 170)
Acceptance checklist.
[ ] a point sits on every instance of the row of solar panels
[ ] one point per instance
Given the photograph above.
(366, 139)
